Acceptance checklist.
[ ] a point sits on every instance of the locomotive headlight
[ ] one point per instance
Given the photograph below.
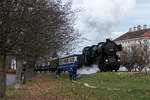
(106, 60)
(118, 60)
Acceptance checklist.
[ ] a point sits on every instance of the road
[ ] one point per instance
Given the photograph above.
(10, 79)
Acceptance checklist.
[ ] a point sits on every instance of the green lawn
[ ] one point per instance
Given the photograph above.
(12, 92)
(110, 86)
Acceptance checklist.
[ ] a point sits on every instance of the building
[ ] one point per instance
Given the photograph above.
(136, 44)
(135, 36)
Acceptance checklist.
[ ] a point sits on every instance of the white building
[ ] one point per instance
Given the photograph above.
(135, 36)
(137, 39)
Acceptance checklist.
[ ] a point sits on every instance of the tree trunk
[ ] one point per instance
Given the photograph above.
(135, 69)
(25, 73)
(8, 62)
(18, 73)
(2, 77)
(29, 71)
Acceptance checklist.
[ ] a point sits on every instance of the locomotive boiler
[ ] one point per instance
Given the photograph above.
(104, 54)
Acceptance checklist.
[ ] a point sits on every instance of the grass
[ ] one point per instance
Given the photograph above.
(12, 92)
(110, 86)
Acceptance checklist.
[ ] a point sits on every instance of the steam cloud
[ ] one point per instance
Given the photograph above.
(88, 70)
(99, 18)
(94, 69)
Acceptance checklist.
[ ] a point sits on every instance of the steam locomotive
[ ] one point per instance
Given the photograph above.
(104, 54)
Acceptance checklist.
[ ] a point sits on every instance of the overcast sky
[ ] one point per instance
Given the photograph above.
(139, 15)
(101, 19)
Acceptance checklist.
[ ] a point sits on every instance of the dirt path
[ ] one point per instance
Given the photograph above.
(42, 89)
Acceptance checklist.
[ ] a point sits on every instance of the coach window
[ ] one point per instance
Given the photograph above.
(61, 61)
(75, 59)
(68, 60)
(65, 61)
(71, 60)
(48, 63)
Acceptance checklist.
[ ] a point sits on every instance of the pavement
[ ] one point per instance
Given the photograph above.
(10, 79)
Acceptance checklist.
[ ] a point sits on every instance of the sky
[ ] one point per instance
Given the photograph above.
(139, 16)
(101, 19)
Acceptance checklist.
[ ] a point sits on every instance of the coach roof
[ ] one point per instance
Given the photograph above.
(71, 56)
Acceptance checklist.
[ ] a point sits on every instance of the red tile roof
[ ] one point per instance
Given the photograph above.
(135, 34)
(147, 34)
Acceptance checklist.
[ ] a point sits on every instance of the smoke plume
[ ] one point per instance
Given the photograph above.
(98, 18)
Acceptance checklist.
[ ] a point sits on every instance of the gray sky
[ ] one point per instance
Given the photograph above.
(101, 19)
(139, 15)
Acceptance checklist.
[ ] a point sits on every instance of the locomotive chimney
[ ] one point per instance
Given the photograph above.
(138, 27)
(134, 28)
(145, 26)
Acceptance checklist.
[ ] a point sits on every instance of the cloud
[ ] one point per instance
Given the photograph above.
(115, 35)
(99, 18)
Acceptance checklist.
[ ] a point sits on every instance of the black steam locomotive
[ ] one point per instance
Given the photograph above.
(103, 54)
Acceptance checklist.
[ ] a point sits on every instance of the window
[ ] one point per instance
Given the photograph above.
(65, 61)
(75, 59)
(61, 61)
(71, 60)
(49, 63)
(68, 60)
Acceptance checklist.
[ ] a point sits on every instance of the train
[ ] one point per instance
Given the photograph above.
(62, 64)
(104, 54)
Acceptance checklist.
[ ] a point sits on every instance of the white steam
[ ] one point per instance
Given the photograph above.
(94, 69)
(122, 68)
(88, 70)
(98, 18)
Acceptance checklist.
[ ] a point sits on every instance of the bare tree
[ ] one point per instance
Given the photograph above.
(137, 56)
(146, 52)
(32, 29)
(144, 55)
(126, 59)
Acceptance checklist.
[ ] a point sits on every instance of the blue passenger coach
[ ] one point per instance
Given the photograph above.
(68, 62)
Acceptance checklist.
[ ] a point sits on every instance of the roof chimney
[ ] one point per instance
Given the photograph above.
(130, 29)
(138, 27)
(134, 28)
(145, 26)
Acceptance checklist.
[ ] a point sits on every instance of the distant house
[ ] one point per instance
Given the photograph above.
(135, 36)
(136, 40)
